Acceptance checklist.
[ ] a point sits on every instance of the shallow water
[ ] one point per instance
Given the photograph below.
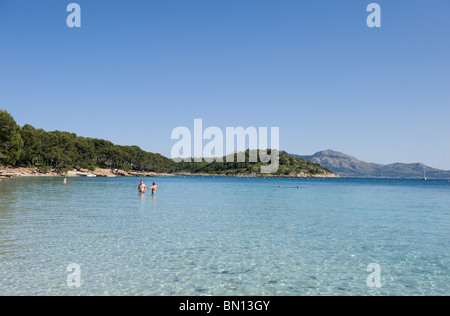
(224, 236)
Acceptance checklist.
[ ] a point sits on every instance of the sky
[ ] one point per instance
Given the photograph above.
(136, 70)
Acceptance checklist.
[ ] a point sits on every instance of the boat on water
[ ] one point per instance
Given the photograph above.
(84, 174)
(424, 175)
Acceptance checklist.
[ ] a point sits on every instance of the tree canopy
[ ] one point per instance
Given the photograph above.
(288, 166)
(10, 139)
(63, 151)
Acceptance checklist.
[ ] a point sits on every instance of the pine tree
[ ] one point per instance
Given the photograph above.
(10, 140)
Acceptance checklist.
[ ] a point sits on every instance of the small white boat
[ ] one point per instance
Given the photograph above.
(85, 174)
(424, 175)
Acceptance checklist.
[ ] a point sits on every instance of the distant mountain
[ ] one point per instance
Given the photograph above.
(348, 166)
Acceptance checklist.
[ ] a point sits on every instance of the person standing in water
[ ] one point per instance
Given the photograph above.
(65, 180)
(154, 188)
(142, 187)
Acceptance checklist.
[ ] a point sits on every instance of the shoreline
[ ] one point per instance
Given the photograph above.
(15, 172)
(299, 176)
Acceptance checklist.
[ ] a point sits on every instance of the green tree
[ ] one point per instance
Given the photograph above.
(10, 140)
(31, 151)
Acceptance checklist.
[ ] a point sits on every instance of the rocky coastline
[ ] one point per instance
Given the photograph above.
(13, 172)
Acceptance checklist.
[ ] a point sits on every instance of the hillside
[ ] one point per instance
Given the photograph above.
(348, 166)
(40, 151)
(289, 166)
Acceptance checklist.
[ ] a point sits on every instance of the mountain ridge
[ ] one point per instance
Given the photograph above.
(351, 167)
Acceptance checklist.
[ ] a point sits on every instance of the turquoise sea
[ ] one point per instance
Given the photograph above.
(224, 236)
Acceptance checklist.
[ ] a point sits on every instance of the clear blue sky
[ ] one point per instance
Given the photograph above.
(138, 69)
